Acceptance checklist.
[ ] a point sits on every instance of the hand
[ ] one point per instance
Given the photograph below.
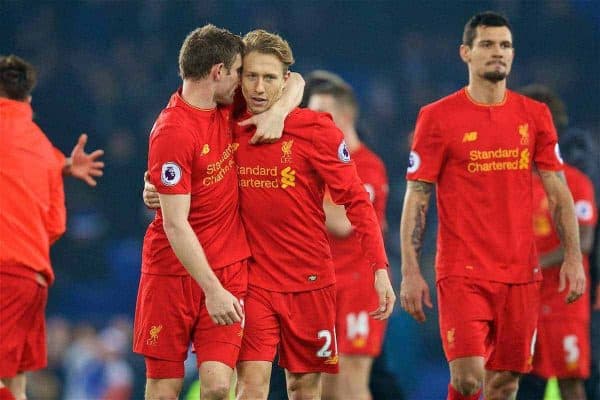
(269, 126)
(223, 307)
(413, 293)
(82, 165)
(573, 273)
(385, 293)
(150, 195)
(596, 306)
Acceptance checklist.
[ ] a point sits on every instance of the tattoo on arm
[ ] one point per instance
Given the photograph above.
(424, 190)
(419, 229)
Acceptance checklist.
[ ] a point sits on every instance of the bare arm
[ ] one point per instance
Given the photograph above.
(335, 219)
(563, 214)
(222, 306)
(269, 124)
(414, 290)
(586, 238)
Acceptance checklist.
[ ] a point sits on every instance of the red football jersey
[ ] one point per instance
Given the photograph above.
(481, 159)
(547, 240)
(347, 253)
(191, 152)
(281, 188)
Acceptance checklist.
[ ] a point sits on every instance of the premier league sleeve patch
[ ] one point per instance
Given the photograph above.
(343, 153)
(584, 210)
(414, 162)
(171, 174)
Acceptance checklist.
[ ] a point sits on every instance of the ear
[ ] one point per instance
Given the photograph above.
(465, 53)
(29, 99)
(217, 71)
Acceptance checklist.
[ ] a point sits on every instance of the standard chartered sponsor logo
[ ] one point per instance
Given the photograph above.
(499, 160)
(216, 171)
(259, 177)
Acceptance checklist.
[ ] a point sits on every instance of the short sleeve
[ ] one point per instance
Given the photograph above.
(583, 197)
(547, 153)
(170, 159)
(428, 149)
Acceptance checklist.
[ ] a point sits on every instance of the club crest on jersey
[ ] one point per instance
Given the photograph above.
(414, 162)
(557, 153)
(343, 152)
(286, 150)
(584, 210)
(524, 133)
(171, 174)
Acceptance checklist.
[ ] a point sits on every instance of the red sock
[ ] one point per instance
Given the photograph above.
(5, 394)
(454, 394)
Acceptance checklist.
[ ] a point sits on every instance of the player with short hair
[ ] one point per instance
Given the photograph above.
(479, 146)
(194, 271)
(563, 342)
(360, 336)
(33, 217)
(290, 303)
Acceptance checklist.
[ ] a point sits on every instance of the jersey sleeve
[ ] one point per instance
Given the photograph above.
(428, 149)
(583, 197)
(170, 159)
(56, 217)
(331, 159)
(547, 153)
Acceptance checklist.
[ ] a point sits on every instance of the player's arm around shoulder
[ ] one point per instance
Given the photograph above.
(414, 291)
(563, 213)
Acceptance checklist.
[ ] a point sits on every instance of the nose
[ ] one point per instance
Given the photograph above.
(260, 88)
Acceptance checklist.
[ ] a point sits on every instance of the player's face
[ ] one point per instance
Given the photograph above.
(230, 81)
(263, 80)
(326, 103)
(492, 53)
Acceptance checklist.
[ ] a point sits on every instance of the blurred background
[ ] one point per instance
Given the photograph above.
(107, 68)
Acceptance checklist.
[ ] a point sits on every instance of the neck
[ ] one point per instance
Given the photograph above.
(200, 94)
(351, 138)
(486, 92)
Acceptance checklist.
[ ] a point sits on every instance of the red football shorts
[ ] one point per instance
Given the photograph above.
(22, 325)
(357, 332)
(301, 325)
(562, 349)
(493, 320)
(170, 314)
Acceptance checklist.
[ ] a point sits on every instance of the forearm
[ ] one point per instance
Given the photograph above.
(336, 221)
(566, 226)
(291, 96)
(412, 224)
(563, 213)
(188, 250)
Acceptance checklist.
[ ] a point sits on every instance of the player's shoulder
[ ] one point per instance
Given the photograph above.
(444, 104)
(527, 103)
(306, 123)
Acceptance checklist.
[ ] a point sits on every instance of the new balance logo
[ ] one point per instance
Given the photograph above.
(470, 136)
